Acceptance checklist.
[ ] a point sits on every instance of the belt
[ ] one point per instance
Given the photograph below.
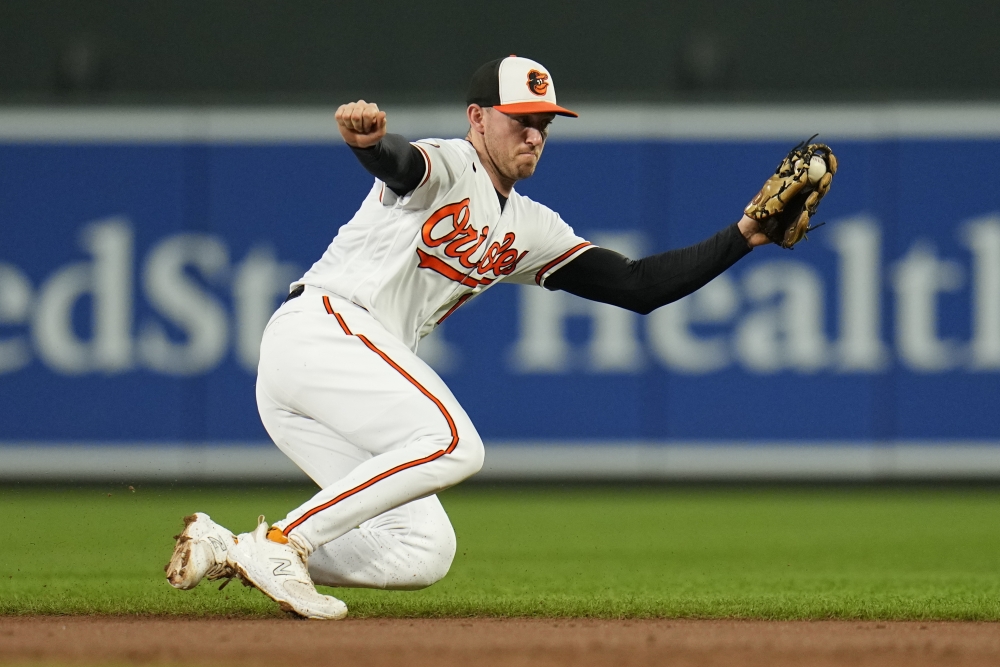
(299, 289)
(295, 293)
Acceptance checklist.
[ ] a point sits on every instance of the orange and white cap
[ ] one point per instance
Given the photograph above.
(515, 85)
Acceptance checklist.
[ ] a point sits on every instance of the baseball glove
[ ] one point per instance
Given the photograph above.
(789, 198)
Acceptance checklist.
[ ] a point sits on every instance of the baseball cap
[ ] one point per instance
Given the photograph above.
(515, 85)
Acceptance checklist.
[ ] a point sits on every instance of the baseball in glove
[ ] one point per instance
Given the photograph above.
(789, 198)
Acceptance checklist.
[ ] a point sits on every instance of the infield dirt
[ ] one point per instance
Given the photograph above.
(493, 642)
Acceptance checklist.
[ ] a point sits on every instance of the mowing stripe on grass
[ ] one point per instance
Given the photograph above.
(613, 552)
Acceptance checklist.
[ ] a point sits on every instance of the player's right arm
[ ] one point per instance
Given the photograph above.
(388, 157)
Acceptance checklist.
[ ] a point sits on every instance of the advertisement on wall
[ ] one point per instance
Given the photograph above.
(136, 278)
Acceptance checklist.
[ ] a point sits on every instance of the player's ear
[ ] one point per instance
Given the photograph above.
(475, 114)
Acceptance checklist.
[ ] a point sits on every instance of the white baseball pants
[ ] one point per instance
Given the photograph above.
(377, 429)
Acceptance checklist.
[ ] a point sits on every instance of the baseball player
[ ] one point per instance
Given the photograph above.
(340, 388)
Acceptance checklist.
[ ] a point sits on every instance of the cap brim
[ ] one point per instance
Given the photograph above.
(535, 107)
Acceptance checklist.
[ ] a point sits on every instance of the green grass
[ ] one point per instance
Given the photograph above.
(528, 551)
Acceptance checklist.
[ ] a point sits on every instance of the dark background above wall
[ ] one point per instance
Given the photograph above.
(228, 51)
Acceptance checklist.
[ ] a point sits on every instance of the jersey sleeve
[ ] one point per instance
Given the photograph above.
(554, 243)
(444, 164)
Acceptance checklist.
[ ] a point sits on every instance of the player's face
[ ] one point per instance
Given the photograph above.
(515, 143)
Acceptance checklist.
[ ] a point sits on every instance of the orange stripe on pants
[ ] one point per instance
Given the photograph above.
(388, 473)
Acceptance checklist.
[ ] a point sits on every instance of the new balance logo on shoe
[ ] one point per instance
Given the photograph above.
(282, 567)
(218, 544)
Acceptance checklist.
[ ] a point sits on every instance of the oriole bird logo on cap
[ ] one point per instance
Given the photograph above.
(538, 82)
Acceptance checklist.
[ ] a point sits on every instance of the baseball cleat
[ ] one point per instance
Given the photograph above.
(200, 552)
(279, 572)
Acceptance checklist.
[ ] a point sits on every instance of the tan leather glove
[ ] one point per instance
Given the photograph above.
(787, 202)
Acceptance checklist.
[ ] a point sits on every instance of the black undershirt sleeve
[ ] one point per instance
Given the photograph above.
(646, 284)
(394, 161)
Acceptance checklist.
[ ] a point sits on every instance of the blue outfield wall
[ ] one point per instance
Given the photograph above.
(135, 279)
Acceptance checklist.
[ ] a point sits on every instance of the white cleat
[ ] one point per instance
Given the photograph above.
(201, 551)
(278, 571)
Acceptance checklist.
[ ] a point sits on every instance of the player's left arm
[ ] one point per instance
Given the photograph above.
(644, 285)
(780, 213)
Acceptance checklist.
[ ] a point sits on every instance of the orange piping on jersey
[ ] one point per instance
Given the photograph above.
(381, 192)
(560, 258)
(388, 473)
(431, 262)
(427, 159)
(463, 299)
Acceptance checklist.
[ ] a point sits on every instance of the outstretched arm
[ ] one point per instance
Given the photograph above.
(646, 284)
(388, 157)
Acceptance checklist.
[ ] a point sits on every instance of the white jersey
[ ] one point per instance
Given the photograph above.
(411, 261)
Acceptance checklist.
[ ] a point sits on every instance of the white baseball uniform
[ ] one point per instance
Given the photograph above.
(341, 391)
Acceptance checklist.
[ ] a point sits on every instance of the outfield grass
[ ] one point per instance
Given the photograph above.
(530, 551)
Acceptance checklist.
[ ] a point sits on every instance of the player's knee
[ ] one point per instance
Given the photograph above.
(435, 564)
(438, 567)
(466, 459)
(477, 455)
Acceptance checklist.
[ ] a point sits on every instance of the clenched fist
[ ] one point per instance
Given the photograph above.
(361, 123)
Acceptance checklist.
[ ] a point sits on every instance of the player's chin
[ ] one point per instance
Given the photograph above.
(525, 166)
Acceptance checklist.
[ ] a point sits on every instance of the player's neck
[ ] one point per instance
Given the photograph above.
(502, 184)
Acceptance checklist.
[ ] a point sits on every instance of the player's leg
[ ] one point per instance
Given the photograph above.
(333, 362)
(410, 546)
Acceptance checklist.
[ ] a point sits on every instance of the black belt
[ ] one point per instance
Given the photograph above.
(295, 293)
